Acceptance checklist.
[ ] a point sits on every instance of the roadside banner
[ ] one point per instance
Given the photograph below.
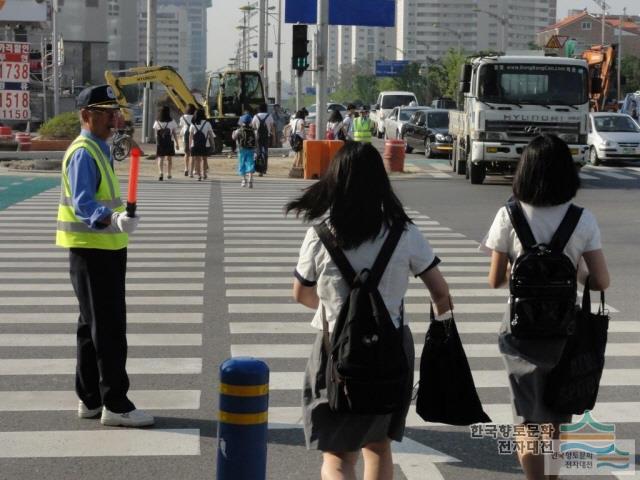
(14, 81)
(370, 13)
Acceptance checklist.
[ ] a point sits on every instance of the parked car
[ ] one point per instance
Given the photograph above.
(612, 136)
(428, 130)
(311, 118)
(445, 103)
(394, 123)
(386, 102)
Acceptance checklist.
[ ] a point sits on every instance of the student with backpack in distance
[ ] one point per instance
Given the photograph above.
(264, 127)
(542, 244)
(166, 132)
(297, 135)
(359, 377)
(185, 124)
(246, 140)
(335, 127)
(200, 132)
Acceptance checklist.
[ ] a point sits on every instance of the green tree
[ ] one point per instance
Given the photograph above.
(411, 80)
(630, 70)
(452, 63)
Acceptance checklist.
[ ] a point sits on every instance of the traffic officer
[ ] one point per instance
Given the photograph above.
(93, 225)
(362, 126)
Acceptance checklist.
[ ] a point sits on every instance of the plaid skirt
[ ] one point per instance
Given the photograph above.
(345, 432)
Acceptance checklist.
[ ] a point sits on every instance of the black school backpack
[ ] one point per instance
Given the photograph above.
(543, 280)
(263, 131)
(366, 368)
(295, 140)
(246, 137)
(164, 137)
(199, 139)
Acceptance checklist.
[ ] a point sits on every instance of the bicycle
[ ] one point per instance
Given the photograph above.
(121, 144)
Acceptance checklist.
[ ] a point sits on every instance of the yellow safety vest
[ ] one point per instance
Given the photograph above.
(362, 130)
(74, 233)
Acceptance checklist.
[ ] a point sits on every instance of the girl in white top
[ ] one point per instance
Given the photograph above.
(185, 124)
(296, 126)
(545, 182)
(361, 207)
(166, 133)
(200, 133)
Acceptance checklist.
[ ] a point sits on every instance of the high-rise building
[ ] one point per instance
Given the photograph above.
(122, 30)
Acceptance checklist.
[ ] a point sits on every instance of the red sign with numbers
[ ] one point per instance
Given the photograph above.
(15, 71)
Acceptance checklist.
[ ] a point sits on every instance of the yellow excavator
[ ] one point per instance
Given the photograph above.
(228, 95)
(601, 65)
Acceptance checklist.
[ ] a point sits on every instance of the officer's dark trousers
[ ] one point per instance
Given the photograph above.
(98, 279)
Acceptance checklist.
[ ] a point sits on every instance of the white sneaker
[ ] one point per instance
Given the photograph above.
(134, 418)
(86, 412)
(243, 183)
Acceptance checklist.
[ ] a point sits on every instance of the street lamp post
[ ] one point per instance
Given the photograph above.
(503, 22)
(54, 47)
(279, 71)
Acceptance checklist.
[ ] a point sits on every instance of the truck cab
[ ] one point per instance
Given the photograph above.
(508, 100)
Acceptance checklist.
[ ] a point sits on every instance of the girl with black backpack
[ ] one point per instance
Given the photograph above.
(363, 214)
(200, 132)
(544, 185)
(166, 133)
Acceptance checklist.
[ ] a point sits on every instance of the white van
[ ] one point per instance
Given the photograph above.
(386, 102)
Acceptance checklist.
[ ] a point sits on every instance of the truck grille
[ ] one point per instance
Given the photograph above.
(531, 129)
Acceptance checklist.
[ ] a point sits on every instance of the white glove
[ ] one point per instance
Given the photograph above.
(124, 224)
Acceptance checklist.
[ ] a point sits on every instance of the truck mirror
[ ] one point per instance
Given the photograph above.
(465, 73)
(464, 87)
(596, 85)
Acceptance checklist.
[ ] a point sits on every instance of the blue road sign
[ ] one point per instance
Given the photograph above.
(390, 68)
(370, 13)
(310, 90)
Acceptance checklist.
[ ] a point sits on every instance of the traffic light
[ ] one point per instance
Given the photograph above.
(299, 60)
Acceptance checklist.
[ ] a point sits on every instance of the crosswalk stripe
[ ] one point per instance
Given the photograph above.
(298, 243)
(617, 176)
(59, 253)
(65, 287)
(56, 400)
(438, 250)
(131, 300)
(411, 293)
(283, 328)
(146, 232)
(188, 225)
(285, 308)
(69, 340)
(135, 246)
(187, 242)
(303, 228)
(100, 443)
(585, 176)
(45, 263)
(299, 234)
(67, 366)
(130, 275)
(259, 269)
(611, 377)
(294, 260)
(289, 280)
(72, 318)
(500, 413)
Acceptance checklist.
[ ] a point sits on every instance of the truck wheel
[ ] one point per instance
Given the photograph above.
(593, 157)
(477, 174)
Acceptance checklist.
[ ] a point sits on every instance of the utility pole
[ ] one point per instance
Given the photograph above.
(279, 70)
(265, 14)
(261, 27)
(605, 6)
(151, 54)
(619, 52)
(54, 49)
(322, 47)
(43, 63)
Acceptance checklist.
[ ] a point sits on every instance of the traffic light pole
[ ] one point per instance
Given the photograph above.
(298, 91)
(322, 48)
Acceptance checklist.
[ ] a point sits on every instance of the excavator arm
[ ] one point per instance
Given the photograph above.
(167, 76)
(600, 62)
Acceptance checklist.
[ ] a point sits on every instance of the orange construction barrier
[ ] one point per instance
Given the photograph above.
(317, 155)
(6, 133)
(24, 141)
(393, 156)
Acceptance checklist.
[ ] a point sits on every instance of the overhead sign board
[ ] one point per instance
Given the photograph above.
(390, 68)
(369, 13)
(23, 11)
(15, 71)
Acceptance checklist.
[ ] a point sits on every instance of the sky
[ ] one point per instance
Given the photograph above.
(224, 15)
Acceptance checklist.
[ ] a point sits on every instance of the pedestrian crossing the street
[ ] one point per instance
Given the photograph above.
(265, 322)
(38, 313)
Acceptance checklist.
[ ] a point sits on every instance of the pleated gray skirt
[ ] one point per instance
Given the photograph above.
(528, 363)
(339, 432)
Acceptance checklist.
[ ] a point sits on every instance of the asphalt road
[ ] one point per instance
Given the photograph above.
(209, 277)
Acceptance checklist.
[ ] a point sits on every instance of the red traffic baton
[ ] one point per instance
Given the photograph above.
(134, 169)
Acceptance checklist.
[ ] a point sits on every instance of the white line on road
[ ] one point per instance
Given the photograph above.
(262, 269)
(131, 300)
(617, 176)
(67, 366)
(411, 293)
(69, 340)
(130, 275)
(294, 260)
(72, 318)
(296, 250)
(288, 280)
(65, 287)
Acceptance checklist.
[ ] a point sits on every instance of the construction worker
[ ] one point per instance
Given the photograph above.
(362, 126)
(93, 225)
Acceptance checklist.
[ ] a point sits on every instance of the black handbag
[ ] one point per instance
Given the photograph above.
(572, 386)
(446, 392)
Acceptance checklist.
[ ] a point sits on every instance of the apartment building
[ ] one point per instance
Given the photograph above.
(122, 31)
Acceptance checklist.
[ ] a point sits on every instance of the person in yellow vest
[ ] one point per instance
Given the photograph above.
(361, 126)
(93, 225)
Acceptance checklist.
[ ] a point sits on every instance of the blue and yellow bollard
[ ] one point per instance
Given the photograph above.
(243, 421)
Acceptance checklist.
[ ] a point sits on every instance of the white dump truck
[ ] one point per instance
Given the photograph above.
(508, 100)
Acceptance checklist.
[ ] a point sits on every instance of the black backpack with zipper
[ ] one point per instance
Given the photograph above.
(365, 367)
(199, 139)
(543, 281)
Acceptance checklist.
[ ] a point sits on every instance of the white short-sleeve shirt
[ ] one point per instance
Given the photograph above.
(544, 222)
(255, 121)
(171, 125)
(185, 123)
(205, 128)
(413, 255)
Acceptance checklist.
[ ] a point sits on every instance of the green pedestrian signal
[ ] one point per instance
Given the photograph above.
(299, 54)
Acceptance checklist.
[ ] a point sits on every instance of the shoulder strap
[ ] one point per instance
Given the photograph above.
(566, 228)
(201, 127)
(520, 224)
(337, 255)
(388, 247)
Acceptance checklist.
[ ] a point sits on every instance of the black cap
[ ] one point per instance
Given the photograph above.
(100, 96)
(364, 108)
